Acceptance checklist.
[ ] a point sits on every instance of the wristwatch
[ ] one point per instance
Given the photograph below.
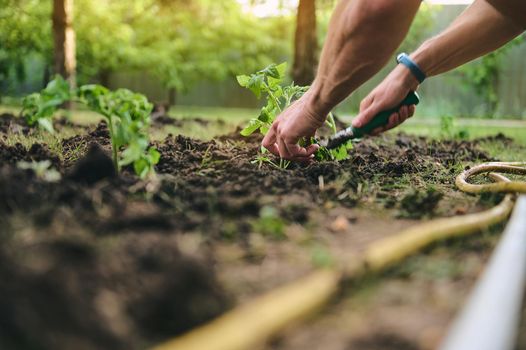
(404, 59)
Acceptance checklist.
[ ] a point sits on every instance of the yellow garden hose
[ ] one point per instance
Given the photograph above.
(250, 325)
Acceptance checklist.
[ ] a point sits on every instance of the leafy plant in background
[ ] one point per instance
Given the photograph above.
(38, 108)
(448, 129)
(483, 76)
(268, 82)
(127, 114)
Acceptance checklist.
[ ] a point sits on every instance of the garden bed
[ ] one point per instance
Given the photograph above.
(97, 261)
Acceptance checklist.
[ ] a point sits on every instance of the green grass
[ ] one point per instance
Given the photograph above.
(516, 132)
(223, 120)
(213, 113)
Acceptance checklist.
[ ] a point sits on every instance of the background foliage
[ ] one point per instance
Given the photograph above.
(197, 47)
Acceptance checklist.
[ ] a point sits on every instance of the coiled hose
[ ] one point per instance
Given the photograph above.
(251, 325)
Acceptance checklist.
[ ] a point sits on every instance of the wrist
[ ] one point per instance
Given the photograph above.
(314, 104)
(403, 75)
(416, 71)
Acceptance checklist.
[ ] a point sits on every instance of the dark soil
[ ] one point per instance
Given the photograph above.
(382, 342)
(93, 261)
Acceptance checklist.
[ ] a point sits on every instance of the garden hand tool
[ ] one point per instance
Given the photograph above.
(379, 120)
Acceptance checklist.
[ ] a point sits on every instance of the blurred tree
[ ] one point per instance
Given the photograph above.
(64, 40)
(305, 44)
(180, 42)
(24, 29)
(421, 28)
(483, 75)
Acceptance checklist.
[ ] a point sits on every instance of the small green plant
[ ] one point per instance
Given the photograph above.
(270, 223)
(38, 108)
(127, 114)
(269, 82)
(448, 129)
(447, 125)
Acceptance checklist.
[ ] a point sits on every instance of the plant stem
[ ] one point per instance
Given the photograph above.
(331, 123)
(276, 102)
(113, 145)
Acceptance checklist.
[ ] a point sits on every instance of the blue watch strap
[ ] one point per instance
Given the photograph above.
(404, 59)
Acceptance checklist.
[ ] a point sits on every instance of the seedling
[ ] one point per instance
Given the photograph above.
(38, 108)
(268, 82)
(128, 117)
(127, 114)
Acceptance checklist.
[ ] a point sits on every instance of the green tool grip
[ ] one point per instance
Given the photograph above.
(382, 118)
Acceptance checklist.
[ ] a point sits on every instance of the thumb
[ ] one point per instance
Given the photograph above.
(366, 115)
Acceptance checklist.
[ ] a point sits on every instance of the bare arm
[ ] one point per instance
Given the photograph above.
(362, 38)
(363, 34)
(480, 29)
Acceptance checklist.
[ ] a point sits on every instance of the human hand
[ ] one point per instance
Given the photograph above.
(385, 96)
(296, 122)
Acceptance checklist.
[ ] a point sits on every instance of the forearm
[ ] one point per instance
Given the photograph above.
(362, 36)
(478, 30)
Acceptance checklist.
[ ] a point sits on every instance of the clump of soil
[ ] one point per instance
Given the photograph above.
(94, 167)
(382, 342)
(36, 153)
(12, 123)
(417, 204)
(75, 293)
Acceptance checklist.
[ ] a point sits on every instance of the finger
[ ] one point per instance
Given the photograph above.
(378, 131)
(283, 151)
(403, 113)
(412, 110)
(311, 149)
(366, 103)
(269, 141)
(273, 148)
(298, 153)
(365, 116)
(394, 120)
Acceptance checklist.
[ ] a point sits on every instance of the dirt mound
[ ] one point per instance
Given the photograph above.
(94, 167)
(72, 293)
(37, 152)
(11, 123)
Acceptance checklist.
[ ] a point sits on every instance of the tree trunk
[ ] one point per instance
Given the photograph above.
(172, 97)
(64, 40)
(305, 44)
(104, 77)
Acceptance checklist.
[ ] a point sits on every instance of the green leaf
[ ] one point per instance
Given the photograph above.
(339, 153)
(264, 129)
(243, 80)
(281, 68)
(256, 84)
(265, 116)
(274, 83)
(252, 126)
(141, 167)
(155, 156)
